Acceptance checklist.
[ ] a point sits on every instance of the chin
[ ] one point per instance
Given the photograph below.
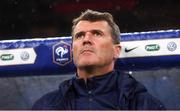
(86, 64)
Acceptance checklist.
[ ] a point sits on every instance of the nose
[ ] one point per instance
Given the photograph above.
(87, 38)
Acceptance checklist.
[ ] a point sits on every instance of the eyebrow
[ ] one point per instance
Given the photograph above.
(93, 30)
(97, 30)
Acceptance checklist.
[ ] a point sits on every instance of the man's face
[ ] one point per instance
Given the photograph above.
(93, 44)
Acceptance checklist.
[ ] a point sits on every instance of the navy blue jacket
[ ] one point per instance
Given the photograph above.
(132, 95)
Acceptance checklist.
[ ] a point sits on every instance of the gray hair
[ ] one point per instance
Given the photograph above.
(94, 16)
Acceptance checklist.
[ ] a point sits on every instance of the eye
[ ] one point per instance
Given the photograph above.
(97, 33)
(79, 35)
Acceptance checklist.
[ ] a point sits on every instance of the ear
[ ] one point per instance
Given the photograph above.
(117, 50)
(72, 52)
(72, 49)
(72, 46)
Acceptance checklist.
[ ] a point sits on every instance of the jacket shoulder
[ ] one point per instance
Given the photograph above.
(52, 99)
(47, 101)
(136, 96)
(145, 101)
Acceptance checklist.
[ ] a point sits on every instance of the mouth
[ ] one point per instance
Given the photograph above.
(86, 51)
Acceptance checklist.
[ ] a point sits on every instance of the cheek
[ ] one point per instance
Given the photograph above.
(74, 55)
(75, 45)
(74, 50)
(106, 51)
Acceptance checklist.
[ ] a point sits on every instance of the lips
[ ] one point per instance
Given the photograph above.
(86, 50)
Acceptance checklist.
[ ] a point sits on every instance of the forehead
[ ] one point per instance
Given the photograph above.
(87, 25)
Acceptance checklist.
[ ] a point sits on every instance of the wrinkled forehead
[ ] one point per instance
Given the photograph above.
(85, 25)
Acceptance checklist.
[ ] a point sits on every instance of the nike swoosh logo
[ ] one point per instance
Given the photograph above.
(129, 50)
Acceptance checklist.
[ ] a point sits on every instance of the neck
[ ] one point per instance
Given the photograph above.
(91, 71)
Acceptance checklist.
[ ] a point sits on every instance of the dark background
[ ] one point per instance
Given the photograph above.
(49, 18)
(22, 19)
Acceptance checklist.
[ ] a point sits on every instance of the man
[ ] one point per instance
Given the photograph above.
(97, 84)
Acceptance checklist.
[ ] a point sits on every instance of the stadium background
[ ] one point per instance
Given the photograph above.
(21, 19)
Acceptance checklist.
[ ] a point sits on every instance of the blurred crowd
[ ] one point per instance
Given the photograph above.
(20, 19)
